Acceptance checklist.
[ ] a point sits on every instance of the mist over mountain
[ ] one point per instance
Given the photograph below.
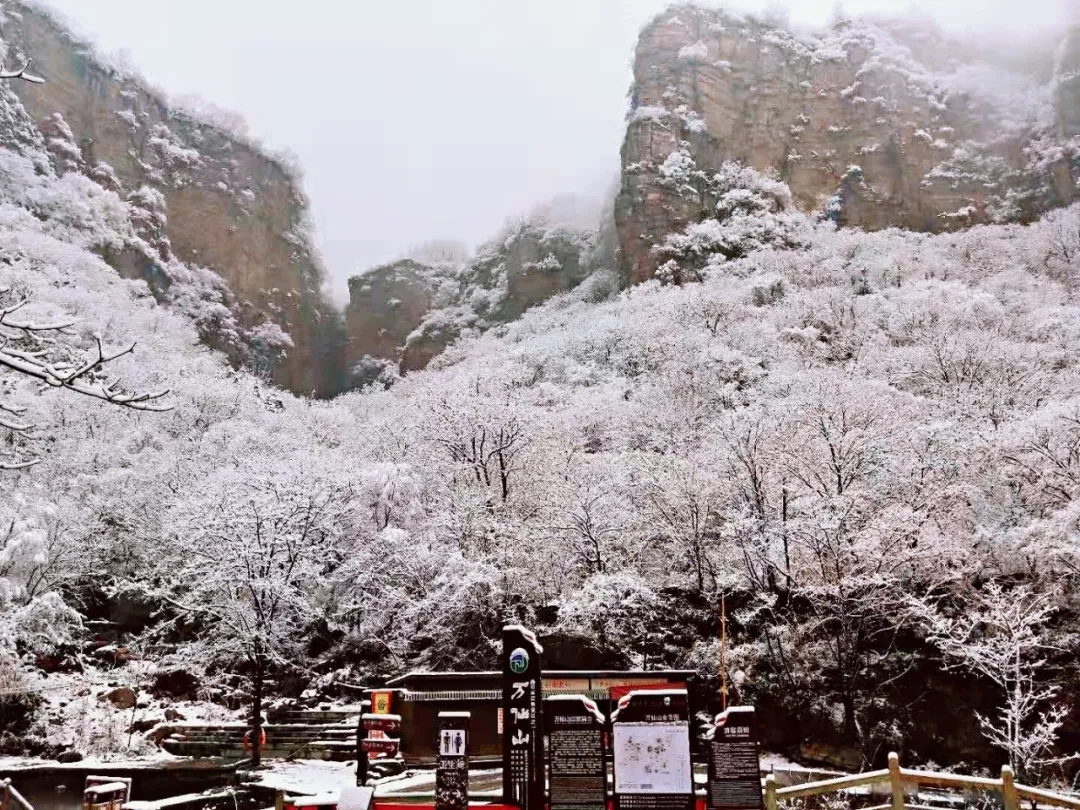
(547, 80)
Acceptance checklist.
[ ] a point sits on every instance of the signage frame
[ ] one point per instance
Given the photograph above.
(522, 704)
(650, 713)
(452, 761)
(735, 761)
(566, 715)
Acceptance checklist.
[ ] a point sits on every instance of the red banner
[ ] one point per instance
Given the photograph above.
(622, 691)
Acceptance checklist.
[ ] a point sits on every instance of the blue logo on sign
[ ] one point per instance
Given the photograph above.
(519, 661)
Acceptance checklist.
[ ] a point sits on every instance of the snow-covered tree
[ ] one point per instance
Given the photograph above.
(617, 610)
(36, 350)
(750, 211)
(21, 73)
(819, 427)
(1059, 247)
(244, 561)
(33, 616)
(1002, 635)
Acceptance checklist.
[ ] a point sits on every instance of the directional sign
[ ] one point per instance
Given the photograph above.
(385, 746)
(382, 722)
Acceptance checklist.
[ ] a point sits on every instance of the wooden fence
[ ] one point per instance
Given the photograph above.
(10, 798)
(903, 780)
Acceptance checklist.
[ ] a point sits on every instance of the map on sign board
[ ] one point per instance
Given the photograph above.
(652, 758)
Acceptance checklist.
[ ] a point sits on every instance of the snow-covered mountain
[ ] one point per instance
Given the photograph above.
(215, 201)
(872, 123)
(866, 440)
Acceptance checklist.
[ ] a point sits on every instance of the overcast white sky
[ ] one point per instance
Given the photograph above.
(421, 119)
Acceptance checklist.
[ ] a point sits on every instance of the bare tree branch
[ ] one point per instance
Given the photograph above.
(21, 74)
(42, 365)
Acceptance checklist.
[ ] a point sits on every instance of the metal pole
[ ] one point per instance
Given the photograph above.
(723, 653)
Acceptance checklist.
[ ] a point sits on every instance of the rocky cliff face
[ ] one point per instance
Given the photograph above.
(385, 305)
(210, 200)
(870, 124)
(404, 314)
(1067, 77)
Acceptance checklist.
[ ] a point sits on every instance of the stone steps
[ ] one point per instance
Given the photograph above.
(317, 716)
(202, 750)
(335, 742)
(239, 735)
(310, 740)
(241, 728)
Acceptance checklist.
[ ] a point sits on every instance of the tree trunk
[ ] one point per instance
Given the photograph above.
(847, 700)
(256, 710)
(787, 549)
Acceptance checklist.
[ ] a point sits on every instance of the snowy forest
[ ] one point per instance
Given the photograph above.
(867, 443)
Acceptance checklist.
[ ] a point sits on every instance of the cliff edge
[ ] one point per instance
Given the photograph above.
(211, 200)
(871, 124)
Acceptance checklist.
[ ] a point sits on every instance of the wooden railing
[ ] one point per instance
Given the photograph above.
(11, 799)
(902, 781)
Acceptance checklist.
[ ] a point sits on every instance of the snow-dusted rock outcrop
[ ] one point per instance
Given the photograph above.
(871, 124)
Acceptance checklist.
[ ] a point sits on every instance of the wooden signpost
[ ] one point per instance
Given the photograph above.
(374, 732)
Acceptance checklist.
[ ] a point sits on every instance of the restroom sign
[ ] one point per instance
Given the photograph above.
(452, 742)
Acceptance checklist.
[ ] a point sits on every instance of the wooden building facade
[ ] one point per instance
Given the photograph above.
(419, 697)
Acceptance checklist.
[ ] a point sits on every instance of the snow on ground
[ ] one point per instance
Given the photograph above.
(22, 764)
(76, 714)
(307, 776)
(315, 777)
(196, 799)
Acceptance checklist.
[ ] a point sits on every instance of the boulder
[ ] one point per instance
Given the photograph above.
(569, 651)
(833, 756)
(68, 757)
(122, 697)
(178, 684)
(142, 726)
(158, 734)
(58, 663)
